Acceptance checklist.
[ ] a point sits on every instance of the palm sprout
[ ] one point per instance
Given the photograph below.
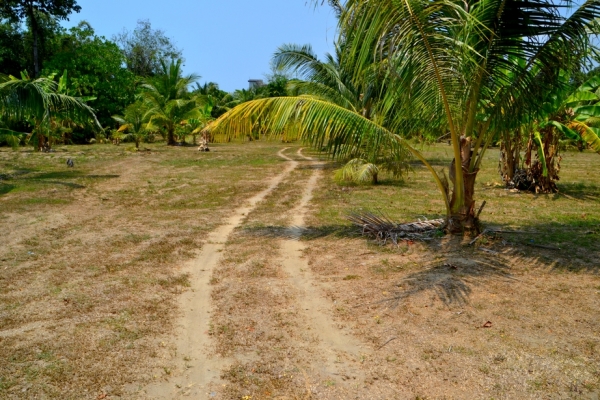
(135, 123)
(358, 171)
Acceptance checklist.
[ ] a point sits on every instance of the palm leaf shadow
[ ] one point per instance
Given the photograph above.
(302, 233)
(451, 280)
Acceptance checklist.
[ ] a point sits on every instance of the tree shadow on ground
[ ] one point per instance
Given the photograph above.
(450, 278)
(63, 178)
(309, 166)
(107, 176)
(67, 184)
(302, 233)
(458, 264)
(434, 162)
(571, 245)
(577, 190)
(71, 174)
(6, 188)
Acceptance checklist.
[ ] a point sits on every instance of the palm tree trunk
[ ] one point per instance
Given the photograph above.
(544, 182)
(463, 217)
(41, 141)
(35, 33)
(171, 138)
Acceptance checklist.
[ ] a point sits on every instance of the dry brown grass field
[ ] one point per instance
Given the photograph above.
(301, 305)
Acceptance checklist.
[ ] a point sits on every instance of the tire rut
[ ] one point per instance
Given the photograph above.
(339, 349)
(192, 336)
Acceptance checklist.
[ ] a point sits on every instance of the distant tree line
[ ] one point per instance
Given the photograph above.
(113, 77)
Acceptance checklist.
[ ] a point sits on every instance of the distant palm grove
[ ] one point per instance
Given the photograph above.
(515, 74)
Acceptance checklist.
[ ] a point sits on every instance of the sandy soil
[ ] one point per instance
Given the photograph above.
(197, 367)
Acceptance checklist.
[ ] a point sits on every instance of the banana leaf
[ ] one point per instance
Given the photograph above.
(581, 96)
(592, 138)
(590, 84)
(586, 111)
(568, 132)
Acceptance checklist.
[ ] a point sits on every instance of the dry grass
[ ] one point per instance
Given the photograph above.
(89, 277)
(256, 315)
(433, 299)
(89, 263)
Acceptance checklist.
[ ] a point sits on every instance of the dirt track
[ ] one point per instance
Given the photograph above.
(199, 368)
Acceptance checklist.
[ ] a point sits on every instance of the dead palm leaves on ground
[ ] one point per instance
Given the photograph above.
(383, 229)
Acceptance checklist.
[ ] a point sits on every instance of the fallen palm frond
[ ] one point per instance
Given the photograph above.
(383, 228)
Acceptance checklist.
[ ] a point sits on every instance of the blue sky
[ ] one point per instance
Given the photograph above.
(224, 41)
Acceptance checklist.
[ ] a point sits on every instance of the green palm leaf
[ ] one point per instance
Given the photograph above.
(325, 126)
(357, 171)
(38, 99)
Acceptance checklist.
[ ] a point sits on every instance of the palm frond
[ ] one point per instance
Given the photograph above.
(10, 137)
(383, 229)
(325, 126)
(357, 171)
(38, 99)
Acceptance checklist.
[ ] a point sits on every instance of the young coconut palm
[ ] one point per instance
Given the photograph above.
(166, 98)
(135, 123)
(331, 81)
(447, 63)
(452, 59)
(39, 101)
(9, 136)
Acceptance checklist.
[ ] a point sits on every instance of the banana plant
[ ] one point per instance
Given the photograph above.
(585, 106)
(566, 116)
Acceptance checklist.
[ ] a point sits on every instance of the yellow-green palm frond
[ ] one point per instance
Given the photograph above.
(323, 125)
(357, 171)
(124, 128)
(589, 134)
(10, 137)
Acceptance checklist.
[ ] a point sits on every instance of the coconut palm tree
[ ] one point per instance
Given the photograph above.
(219, 100)
(446, 64)
(41, 102)
(135, 122)
(167, 99)
(331, 81)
